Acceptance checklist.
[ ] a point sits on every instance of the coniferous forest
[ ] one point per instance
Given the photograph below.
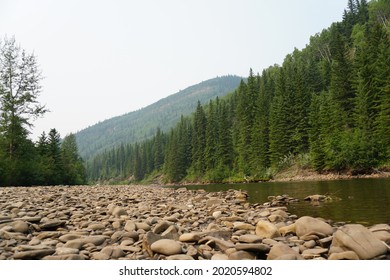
(326, 108)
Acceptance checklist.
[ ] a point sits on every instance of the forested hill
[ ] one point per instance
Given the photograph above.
(326, 108)
(142, 124)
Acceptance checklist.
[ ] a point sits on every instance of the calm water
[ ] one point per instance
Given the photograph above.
(364, 201)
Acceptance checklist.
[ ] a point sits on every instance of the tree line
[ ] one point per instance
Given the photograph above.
(50, 160)
(327, 107)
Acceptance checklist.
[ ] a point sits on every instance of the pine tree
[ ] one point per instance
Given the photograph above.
(56, 171)
(73, 166)
(158, 150)
(199, 141)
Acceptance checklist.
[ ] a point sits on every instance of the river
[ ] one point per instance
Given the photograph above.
(364, 201)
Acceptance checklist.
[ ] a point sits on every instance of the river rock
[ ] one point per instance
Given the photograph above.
(142, 225)
(314, 253)
(306, 226)
(118, 211)
(52, 224)
(254, 247)
(242, 255)
(100, 256)
(347, 255)
(130, 226)
(265, 229)
(161, 226)
(189, 237)
(315, 197)
(382, 232)
(249, 238)
(74, 244)
(33, 254)
(243, 226)
(20, 226)
(70, 236)
(180, 257)
(94, 239)
(282, 251)
(113, 252)
(217, 214)
(132, 249)
(166, 247)
(64, 257)
(96, 226)
(220, 257)
(214, 201)
(358, 239)
(66, 251)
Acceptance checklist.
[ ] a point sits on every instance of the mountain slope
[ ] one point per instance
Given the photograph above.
(142, 124)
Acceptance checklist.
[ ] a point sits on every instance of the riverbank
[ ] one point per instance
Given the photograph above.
(310, 175)
(292, 174)
(144, 222)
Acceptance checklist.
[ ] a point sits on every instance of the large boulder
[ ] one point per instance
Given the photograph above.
(306, 226)
(358, 239)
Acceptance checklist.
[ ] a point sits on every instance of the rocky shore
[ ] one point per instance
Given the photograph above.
(141, 222)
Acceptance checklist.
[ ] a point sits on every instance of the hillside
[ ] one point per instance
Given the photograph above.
(142, 124)
(325, 109)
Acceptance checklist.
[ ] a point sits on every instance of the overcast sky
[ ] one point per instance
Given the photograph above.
(102, 59)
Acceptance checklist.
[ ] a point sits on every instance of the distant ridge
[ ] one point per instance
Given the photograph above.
(142, 124)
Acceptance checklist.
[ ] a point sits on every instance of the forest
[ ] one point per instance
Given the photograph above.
(326, 108)
(49, 161)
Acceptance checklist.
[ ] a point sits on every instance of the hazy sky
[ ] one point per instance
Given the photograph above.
(102, 59)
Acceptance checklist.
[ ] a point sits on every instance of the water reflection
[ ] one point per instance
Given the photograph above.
(363, 201)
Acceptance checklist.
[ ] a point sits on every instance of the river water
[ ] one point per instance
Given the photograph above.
(365, 201)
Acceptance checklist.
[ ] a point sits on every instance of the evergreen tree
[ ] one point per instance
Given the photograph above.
(56, 170)
(158, 150)
(199, 141)
(73, 167)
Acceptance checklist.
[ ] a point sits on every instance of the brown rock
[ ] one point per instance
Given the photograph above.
(359, 239)
(52, 224)
(33, 254)
(20, 226)
(65, 257)
(242, 255)
(130, 226)
(113, 252)
(180, 257)
(282, 251)
(265, 229)
(313, 253)
(100, 256)
(189, 237)
(161, 227)
(220, 256)
(242, 226)
(250, 238)
(347, 255)
(166, 247)
(306, 225)
(255, 247)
